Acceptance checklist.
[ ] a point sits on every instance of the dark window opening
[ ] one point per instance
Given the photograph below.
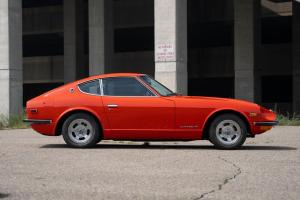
(43, 44)
(134, 39)
(276, 30)
(215, 87)
(277, 89)
(40, 3)
(213, 34)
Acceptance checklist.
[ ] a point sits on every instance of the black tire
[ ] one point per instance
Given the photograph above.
(238, 126)
(88, 128)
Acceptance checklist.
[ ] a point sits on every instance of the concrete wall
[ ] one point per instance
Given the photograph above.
(41, 20)
(11, 68)
(136, 13)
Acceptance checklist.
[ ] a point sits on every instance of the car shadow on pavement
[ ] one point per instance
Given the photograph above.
(173, 146)
(4, 195)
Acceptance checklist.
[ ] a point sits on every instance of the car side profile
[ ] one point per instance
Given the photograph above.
(132, 106)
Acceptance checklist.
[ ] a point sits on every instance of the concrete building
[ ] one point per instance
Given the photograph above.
(246, 49)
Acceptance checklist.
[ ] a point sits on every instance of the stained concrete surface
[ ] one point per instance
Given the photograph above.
(33, 166)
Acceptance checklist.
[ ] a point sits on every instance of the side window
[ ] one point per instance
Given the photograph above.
(124, 86)
(91, 87)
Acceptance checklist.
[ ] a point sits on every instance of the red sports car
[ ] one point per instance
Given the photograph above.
(135, 107)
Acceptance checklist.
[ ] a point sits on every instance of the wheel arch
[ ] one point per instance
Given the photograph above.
(66, 114)
(217, 113)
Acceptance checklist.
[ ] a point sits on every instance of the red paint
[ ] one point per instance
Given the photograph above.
(140, 118)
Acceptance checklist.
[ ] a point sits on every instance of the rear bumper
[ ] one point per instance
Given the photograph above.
(38, 121)
(266, 123)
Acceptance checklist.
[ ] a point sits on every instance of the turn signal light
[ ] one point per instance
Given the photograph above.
(265, 128)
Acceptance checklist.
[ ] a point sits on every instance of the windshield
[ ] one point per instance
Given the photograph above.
(158, 87)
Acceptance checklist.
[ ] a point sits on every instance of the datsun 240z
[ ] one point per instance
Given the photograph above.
(130, 106)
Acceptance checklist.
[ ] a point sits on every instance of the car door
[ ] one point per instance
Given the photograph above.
(135, 112)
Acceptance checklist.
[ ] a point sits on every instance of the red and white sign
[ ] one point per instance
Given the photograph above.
(165, 53)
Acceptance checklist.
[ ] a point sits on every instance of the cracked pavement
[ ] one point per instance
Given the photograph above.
(225, 181)
(39, 167)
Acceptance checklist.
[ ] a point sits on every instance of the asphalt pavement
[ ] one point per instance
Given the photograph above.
(33, 166)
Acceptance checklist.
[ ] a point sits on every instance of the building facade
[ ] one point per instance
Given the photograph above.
(246, 49)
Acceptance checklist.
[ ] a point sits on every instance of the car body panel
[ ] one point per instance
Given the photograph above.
(137, 117)
(140, 118)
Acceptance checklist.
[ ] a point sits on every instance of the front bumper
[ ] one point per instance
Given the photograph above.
(38, 121)
(266, 123)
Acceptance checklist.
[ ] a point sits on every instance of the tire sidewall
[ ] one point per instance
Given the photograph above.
(95, 137)
(213, 135)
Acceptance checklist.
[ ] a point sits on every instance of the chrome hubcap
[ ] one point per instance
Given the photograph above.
(228, 132)
(80, 130)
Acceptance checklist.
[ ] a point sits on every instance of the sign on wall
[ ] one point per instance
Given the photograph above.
(165, 53)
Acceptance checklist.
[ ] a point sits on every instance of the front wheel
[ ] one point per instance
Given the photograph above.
(228, 131)
(81, 130)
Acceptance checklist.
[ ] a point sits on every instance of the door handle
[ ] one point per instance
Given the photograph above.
(112, 105)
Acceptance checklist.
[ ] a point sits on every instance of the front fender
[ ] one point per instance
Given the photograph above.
(219, 111)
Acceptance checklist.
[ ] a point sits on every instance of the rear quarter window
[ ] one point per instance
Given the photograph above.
(91, 87)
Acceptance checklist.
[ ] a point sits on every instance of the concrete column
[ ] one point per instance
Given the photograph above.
(100, 35)
(246, 47)
(171, 44)
(11, 67)
(296, 56)
(73, 40)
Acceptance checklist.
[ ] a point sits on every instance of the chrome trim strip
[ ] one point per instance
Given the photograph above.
(189, 126)
(129, 96)
(88, 93)
(101, 86)
(38, 121)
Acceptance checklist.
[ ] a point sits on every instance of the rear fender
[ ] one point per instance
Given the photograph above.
(100, 118)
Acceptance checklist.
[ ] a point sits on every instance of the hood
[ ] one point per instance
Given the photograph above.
(217, 102)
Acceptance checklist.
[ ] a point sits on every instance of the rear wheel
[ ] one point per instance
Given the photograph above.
(81, 130)
(228, 131)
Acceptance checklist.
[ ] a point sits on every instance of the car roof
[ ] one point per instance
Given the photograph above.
(118, 75)
(108, 75)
